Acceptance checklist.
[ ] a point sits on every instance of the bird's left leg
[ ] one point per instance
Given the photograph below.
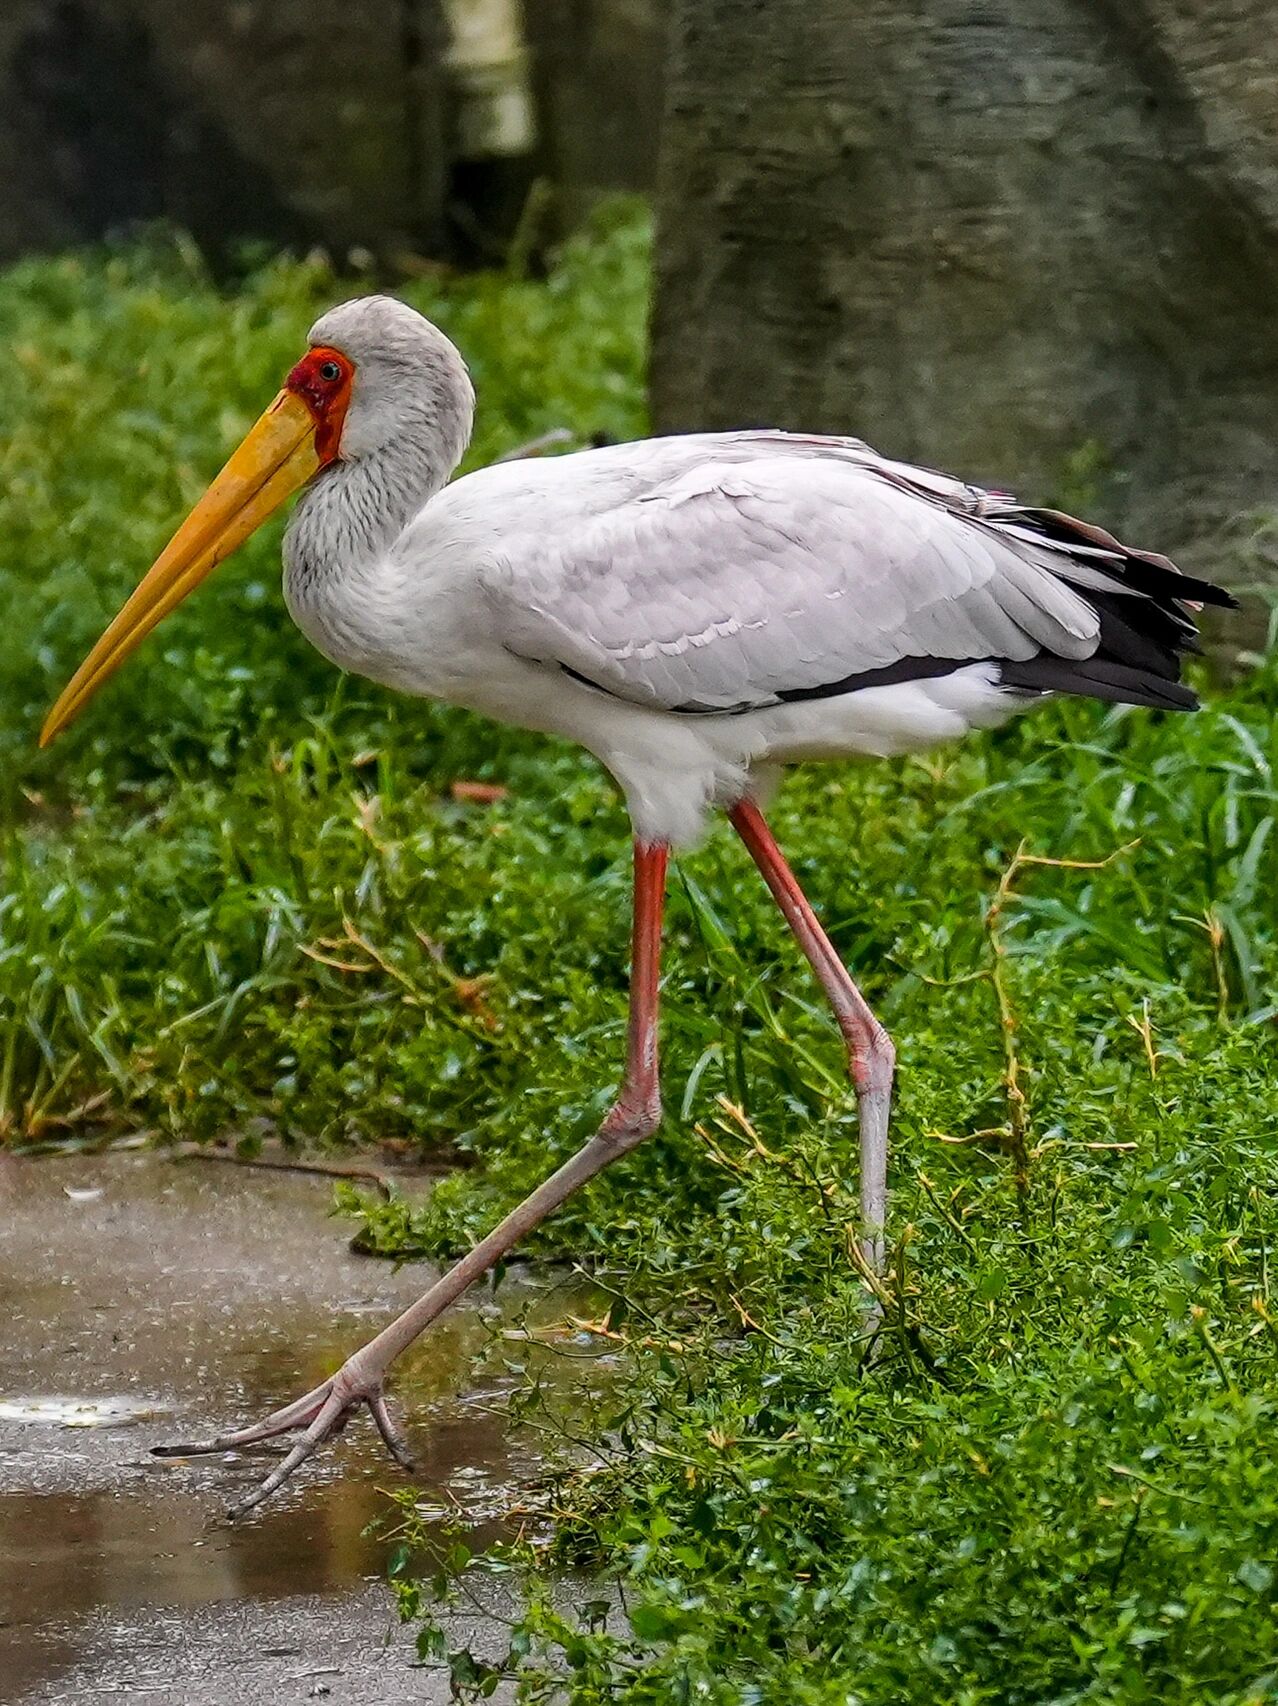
(634, 1115)
(871, 1055)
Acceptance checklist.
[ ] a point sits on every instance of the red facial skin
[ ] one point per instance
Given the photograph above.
(325, 396)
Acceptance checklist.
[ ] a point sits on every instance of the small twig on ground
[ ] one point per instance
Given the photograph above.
(748, 1320)
(889, 1302)
(277, 1164)
(807, 1181)
(1017, 1108)
(1215, 931)
(1198, 1315)
(1144, 1029)
(1154, 1486)
(477, 793)
(944, 1211)
(469, 992)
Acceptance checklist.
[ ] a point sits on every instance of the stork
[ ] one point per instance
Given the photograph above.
(698, 612)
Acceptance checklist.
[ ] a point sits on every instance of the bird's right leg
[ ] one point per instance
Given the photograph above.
(870, 1052)
(634, 1115)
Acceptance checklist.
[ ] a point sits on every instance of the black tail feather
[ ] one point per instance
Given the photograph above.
(1146, 620)
(1099, 677)
(1143, 571)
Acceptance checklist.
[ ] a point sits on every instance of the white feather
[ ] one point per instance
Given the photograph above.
(659, 601)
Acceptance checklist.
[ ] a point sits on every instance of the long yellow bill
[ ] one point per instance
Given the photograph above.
(276, 457)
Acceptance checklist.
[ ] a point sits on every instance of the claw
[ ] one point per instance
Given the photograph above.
(324, 1412)
(327, 1422)
(295, 1415)
(392, 1434)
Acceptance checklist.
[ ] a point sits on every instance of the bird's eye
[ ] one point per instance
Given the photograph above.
(330, 372)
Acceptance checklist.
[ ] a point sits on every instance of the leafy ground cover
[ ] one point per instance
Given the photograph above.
(243, 894)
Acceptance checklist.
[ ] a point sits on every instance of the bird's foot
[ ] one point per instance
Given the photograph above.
(323, 1411)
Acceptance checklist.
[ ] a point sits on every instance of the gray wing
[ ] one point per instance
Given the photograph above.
(745, 581)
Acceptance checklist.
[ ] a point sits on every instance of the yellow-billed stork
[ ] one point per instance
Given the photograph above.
(698, 612)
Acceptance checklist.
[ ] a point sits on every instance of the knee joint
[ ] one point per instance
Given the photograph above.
(630, 1120)
(873, 1058)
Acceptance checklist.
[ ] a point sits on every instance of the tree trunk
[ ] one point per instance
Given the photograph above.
(401, 126)
(1032, 241)
(303, 121)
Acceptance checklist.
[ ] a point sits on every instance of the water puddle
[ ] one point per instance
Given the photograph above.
(76, 1412)
(142, 1300)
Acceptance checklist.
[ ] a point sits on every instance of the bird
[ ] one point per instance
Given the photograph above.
(700, 612)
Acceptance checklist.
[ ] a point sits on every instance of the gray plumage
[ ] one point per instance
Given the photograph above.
(764, 566)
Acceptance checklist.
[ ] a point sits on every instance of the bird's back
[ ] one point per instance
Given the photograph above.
(722, 573)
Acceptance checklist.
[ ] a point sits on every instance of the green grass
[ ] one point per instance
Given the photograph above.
(1054, 1479)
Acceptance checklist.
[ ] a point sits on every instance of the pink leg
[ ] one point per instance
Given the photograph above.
(634, 1116)
(870, 1051)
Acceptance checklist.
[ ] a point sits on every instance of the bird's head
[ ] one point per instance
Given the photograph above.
(377, 374)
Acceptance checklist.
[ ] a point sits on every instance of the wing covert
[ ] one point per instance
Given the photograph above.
(738, 584)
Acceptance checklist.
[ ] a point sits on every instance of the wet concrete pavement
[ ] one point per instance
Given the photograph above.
(143, 1300)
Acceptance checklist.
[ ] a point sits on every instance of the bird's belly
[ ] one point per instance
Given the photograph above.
(884, 722)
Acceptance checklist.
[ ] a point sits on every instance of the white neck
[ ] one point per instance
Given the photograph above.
(406, 424)
(350, 515)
